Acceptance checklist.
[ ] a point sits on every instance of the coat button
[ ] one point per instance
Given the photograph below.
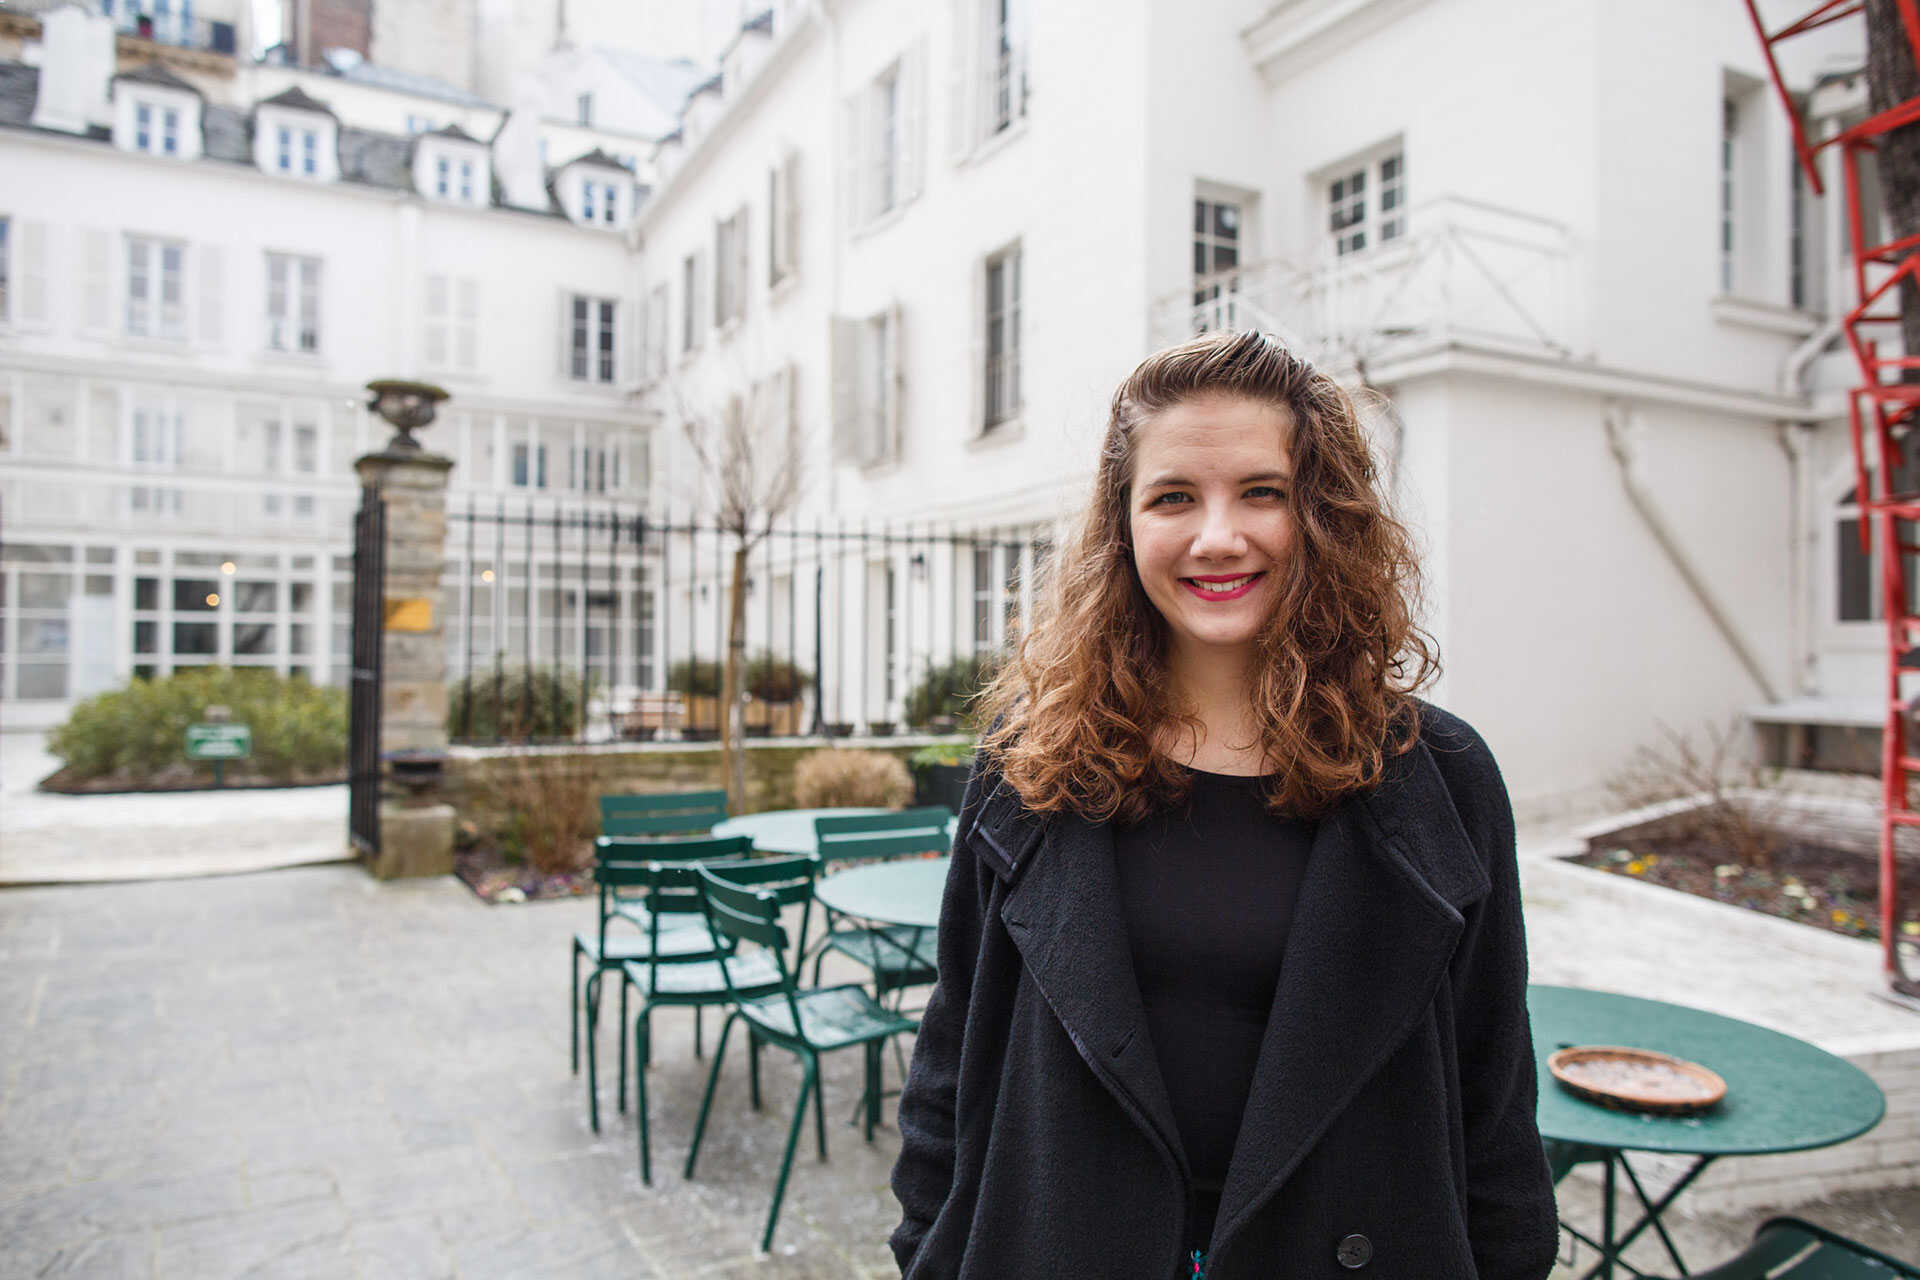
(1355, 1252)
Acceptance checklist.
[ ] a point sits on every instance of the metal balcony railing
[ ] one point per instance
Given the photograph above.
(181, 31)
(1465, 271)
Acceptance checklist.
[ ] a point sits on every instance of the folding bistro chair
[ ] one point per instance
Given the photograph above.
(1791, 1249)
(806, 1022)
(670, 930)
(661, 980)
(899, 956)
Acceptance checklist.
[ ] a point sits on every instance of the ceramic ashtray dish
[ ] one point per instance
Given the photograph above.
(1636, 1079)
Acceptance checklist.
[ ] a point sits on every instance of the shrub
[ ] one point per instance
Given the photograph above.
(941, 753)
(139, 732)
(520, 706)
(772, 679)
(833, 779)
(949, 690)
(696, 677)
(548, 811)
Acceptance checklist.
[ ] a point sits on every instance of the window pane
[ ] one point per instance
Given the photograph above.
(256, 597)
(1855, 575)
(195, 595)
(146, 637)
(146, 593)
(194, 638)
(45, 590)
(252, 639)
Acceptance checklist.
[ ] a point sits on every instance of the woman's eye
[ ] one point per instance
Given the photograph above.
(1169, 499)
(1267, 491)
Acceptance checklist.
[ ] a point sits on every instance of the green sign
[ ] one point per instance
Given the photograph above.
(219, 741)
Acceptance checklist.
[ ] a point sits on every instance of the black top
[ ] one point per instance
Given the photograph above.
(1207, 889)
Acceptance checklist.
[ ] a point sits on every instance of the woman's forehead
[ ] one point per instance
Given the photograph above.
(1219, 429)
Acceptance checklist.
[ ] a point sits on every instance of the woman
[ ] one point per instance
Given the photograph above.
(1231, 973)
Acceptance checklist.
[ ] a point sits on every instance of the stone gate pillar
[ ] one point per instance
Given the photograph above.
(416, 825)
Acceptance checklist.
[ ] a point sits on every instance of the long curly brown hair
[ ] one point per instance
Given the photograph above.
(1077, 712)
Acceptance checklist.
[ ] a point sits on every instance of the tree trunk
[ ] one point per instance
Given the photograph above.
(1892, 78)
(733, 760)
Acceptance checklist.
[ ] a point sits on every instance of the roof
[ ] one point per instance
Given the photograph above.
(376, 159)
(155, 74)
(226, 135)
(453, 131)
(710, 85)
(370, 73)
(19, 89)
(762, 22)
(298, 99)
(595, 157)
(665, 82)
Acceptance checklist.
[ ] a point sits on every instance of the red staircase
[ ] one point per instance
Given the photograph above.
(1886, 405)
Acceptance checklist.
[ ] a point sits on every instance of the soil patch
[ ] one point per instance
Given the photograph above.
(495, 879)
(1833, 889)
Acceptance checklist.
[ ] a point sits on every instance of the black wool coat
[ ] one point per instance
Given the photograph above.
(1390, 1128)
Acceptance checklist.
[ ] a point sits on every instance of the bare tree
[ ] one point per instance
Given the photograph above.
(1738, 799)
(751, 459)
(1892, 79)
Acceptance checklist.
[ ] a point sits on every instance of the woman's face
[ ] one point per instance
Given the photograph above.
(1212, 520)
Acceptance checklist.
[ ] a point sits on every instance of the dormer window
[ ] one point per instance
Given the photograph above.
(295, 134)
(595, 190)
(449, 165)
(156, 113)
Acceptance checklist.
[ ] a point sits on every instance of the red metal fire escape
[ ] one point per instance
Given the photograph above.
(1888, 405)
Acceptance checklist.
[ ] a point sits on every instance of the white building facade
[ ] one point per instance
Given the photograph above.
(1565, 243)
(193, 294)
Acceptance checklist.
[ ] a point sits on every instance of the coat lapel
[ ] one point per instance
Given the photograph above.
(1373, 931)
(1064, 915)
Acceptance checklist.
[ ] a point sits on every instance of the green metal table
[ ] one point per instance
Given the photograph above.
(1783, 1095)
(786, 831)
(902, 893)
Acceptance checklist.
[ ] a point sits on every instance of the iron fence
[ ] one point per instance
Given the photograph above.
(596, 622)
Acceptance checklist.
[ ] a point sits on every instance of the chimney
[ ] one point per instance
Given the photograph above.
(76, 68)
(516, 153)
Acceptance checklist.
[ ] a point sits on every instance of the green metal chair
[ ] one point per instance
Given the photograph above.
(662, 980)
(1792, 1249)
(673, 929)
(673, 813)
(899, 956)
(805, 1022)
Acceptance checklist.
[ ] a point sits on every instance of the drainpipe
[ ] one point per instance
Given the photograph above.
(1796, 439)
(1616, 420)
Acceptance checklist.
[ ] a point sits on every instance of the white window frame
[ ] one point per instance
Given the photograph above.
(693, 319)
(1364, 201)
(657, 337)
(730, 269)
(152, 315)
(157, 127)
(451, 307)
(869, 392)
(885, 131)
(293, 303)
(6, 269)
(1003, 67)
(1001, 393)
(1219, 253)
(593, 350)
(583, 110)
(783, 232)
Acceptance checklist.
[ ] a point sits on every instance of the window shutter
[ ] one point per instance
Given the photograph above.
(896, 406)
(961, 78)
(467, 340)
(844, 341)
(439, 307)
(563, 335)
(30, 274)
(977, 353)
(913, 113)
(213, 295)
(741, 239)
(792, 211)
(853, 166)
(703, 289)
(97, 272)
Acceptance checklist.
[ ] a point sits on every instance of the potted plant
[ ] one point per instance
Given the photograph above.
(940, 773)
(774, 688)
(941, 699)
(698, 681)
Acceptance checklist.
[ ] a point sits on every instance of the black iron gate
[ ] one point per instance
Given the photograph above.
(363, 724)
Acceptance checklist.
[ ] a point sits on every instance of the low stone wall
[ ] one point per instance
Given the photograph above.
(657, 766)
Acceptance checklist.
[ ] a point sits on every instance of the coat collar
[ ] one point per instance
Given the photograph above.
(1379, 912)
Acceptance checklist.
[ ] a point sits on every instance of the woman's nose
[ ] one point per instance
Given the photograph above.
(1218, 535)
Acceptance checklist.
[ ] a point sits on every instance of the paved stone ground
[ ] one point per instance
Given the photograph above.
(303, 1072)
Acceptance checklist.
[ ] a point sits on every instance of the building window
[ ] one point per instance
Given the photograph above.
(466, 182)
(867, 387)
(297, 151)
(6, 294)
(293, 302)
(156, 288)
(1006, 71)
(583, 110)
(1003, 337)
(590, 343)
(1729, 172)
(884, 136)
(156, 129)
(419, 124)
(1216, 264)
(443, 176)
(884, 144)
(782, 218)
(529, 466)
(730, 269)
(157, 442)
(982, 596)
(1356, 221)
(599, 202)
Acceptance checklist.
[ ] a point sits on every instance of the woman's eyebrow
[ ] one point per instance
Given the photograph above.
(1263, 477)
